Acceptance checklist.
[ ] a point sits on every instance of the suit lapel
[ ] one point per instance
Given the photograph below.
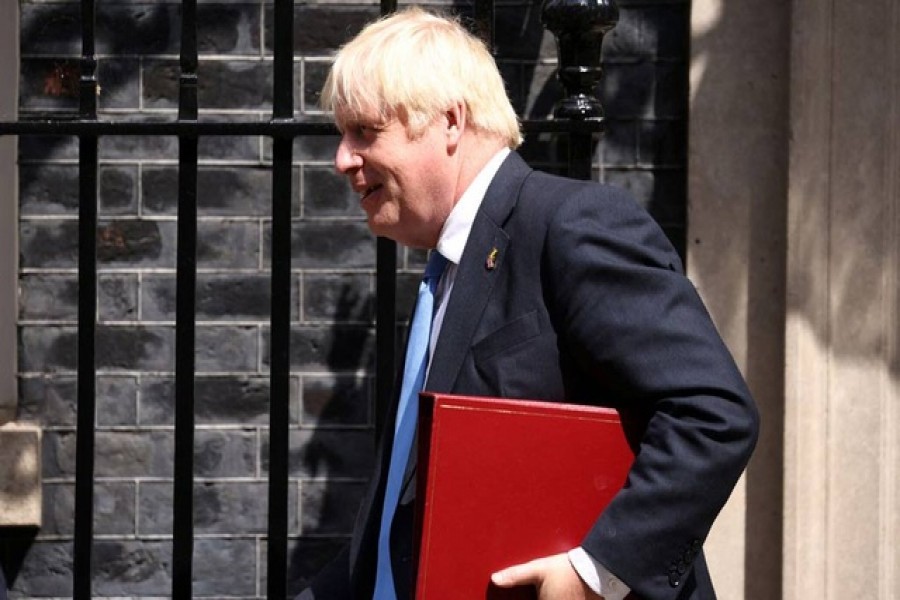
(475, 277)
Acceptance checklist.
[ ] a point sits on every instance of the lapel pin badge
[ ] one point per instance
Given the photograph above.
(491, 261)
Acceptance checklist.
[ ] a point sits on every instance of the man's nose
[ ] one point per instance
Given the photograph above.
(346, 158)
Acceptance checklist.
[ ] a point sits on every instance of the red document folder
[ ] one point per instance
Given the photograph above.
(502, 482)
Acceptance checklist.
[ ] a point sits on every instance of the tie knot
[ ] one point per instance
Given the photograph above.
(435, 266)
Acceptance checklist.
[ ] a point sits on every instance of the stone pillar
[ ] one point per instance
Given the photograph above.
(842, 437)
(737, 178)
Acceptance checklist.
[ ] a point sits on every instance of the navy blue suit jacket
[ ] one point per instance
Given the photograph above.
(587, 303)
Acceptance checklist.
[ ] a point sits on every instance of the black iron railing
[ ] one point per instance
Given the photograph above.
(579, 28)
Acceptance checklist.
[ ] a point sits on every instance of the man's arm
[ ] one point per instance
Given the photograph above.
(630, 320)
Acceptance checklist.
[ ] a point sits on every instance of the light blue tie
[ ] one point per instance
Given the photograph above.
(407, 416)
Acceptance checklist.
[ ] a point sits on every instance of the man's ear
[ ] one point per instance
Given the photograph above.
(455, 125)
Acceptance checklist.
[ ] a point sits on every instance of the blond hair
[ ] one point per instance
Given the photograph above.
(415, 65)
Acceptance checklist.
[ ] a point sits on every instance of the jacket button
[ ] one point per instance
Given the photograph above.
(674, 580)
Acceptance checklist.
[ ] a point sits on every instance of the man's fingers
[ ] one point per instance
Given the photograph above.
(529, 573)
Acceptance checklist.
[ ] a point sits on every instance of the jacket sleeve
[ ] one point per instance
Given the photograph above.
(636, 327)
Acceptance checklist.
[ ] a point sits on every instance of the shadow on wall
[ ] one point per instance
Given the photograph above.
(729, 88)
(336, 459)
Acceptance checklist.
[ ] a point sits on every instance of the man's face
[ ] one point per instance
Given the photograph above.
(406, 185)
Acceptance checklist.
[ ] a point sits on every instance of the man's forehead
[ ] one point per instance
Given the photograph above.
(343, 115)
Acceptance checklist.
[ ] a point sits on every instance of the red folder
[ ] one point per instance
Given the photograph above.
(501, 482)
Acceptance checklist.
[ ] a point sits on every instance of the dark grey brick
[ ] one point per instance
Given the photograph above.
(220, 85)
(345, 297)
(113, 508)
(117, 297)
(56, 296)
(228, 191)
(48, 147)
(139, 147)
(116, 400)
(219, 507)
(47, 571)
(329, 507)
(309, 148)
(221, 297)
(322, 244)
(228, 29)
(229, 147)
(627, 90)
(336, 400)
(520, 35)
(225, 568)
(228, 244)
(45, 348)
(543, 90)
(623, 42)
(118, 190)
(48, 244)
(52, 401)
(329, 453)
(140, 29)
(618, 147)
(223, 348)
(335, 348)
(48, 296)
(119, 83)
(314, 74)
(50, 29)
(48, 189)
(320, 29)
(132, 568)
(218, 400)
(135, 347)
(327, 193)
(58, 454)
(225, 453)
(49, 84)
(136, 243)
(48, 401)
(134, 454)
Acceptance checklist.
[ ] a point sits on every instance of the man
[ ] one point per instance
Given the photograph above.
(555, 289)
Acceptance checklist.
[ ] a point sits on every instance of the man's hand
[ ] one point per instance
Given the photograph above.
(552, 576)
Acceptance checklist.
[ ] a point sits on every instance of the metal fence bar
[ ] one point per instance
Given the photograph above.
(280, 335)
(87, 313)
(186, 284)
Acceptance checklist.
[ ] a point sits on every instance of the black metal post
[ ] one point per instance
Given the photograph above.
(87, 312)
(280, 363)
(186, 284)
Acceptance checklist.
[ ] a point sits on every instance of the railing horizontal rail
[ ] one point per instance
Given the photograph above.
(272, 128)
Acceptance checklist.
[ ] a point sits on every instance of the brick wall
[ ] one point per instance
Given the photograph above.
(644, 91)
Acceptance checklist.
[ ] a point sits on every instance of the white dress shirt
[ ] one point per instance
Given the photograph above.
(451, 243)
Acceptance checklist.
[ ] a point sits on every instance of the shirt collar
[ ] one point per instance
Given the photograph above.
(455, 231)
